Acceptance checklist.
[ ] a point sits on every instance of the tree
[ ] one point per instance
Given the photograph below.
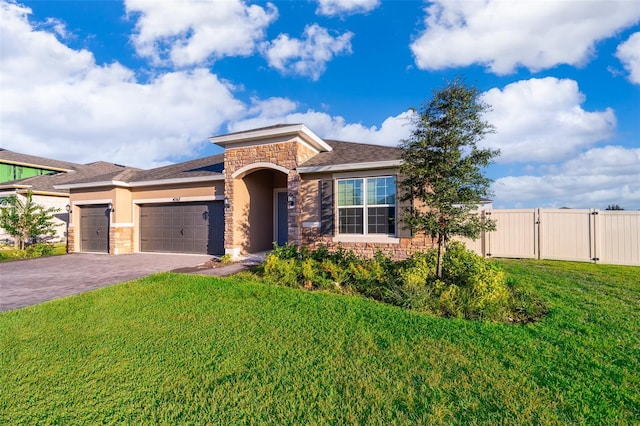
(24, 220)
(443, 166)
(614, 207)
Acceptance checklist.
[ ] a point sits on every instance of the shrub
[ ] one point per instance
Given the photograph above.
(472, 287)
(39, 249)
(284, 272)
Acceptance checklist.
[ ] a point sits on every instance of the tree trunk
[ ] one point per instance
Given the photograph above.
(440, 255)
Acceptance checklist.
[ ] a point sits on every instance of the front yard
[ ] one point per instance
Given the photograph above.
(175, 349)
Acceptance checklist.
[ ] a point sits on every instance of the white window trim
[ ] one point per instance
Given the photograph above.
(365, 236)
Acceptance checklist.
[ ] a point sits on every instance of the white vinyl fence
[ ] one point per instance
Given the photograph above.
(591, 235)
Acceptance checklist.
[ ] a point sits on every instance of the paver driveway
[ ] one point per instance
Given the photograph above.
(27, 282)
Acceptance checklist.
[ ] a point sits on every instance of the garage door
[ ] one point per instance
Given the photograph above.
(182, 228)
(94, 228)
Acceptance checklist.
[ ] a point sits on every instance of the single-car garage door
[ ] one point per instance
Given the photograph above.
(182, 228)
(94, 228)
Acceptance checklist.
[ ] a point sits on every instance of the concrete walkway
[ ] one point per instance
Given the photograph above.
(28, 282)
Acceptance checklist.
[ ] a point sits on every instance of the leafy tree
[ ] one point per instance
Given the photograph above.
(614, 207)
(443, 166)
(26, 219)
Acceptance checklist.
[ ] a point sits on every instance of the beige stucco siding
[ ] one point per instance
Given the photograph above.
(253, 209)
(169, 192)
(122, 206)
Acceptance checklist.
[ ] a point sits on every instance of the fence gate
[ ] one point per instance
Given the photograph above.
(585, 235)
(516, 234)
(567, 234)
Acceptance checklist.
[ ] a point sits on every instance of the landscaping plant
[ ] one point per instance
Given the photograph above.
(470, 287)
(26, 220)
(442, 167)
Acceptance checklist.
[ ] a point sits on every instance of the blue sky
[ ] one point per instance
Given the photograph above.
(144, 83)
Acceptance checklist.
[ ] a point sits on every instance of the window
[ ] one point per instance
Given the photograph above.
(367, 206)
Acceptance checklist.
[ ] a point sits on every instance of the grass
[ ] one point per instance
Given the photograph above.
(172, 349)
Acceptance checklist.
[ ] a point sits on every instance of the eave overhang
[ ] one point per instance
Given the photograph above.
(245, 138)
(350, 166)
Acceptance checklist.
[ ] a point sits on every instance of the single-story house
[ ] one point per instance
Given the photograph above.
(276, 184)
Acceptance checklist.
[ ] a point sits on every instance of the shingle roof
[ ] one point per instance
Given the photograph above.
(16, 157)
(351, 153)
(93, 172)
(201, 167)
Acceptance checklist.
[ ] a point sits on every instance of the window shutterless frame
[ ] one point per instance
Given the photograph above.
(366, 206)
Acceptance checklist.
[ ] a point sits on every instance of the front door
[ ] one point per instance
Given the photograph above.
(282, 218)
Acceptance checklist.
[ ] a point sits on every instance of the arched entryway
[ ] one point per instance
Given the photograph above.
(260, 208)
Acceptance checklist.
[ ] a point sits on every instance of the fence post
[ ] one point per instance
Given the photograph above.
(486, 240)
(537, 235)
(593, 235)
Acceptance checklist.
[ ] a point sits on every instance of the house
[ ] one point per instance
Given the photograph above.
(39, 175)
(15, 166)
(276, 184)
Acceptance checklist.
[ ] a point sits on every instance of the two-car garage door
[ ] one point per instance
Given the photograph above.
(182, 227)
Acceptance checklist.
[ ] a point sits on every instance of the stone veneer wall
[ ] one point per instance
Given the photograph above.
(401, 251)
(71, 240)
(287, 154)
(121, 240)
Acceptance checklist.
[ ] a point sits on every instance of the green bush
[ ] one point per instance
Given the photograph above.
(472, 287)
(286, 272)
(39, 250)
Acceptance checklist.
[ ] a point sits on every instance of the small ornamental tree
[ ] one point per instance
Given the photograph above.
(443, 167)
(25, 219)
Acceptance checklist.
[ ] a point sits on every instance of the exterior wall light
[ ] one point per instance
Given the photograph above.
(68, 208)
(291, 201)
(110, 207)
(227, 204)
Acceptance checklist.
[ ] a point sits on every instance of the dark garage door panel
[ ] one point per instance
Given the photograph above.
(94, 228)
(182, 228)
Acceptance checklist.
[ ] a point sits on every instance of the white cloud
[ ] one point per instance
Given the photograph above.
(594, 179)
(629, 54)
(307, 56)
(57, 102)
(191, 32)
(278, 110)
(503, 35)
(541, 120)
(345, 7)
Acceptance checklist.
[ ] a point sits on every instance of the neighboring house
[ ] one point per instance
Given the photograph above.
(276, 184)
(16, 166)
(42, 185)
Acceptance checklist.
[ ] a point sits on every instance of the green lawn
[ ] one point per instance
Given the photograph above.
(173, 349)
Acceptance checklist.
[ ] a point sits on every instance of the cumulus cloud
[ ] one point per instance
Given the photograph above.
(309, 55)
(345, 7)
(57, 102)
(629, 54)
(279, 110)
(594, 179)
(190, 32)
(542, 120)
(504, 35)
